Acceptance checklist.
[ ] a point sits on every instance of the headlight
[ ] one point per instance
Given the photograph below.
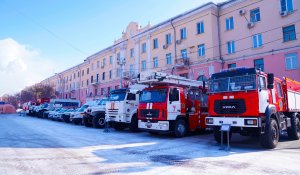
(209, 120)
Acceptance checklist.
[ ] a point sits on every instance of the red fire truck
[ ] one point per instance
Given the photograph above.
(254, 103)
(172, 104)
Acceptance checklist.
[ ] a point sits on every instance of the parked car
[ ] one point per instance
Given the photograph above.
(77, 116)
(58, 115)
(52, 113)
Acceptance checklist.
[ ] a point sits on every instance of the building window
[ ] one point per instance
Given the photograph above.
(87, 82)
(144, 65)
(257, 40)
(92, 79)
(255, 15)
(110, 74)
(155, 43)
(183, 33)
(184, 53)
(97, 79)
(229, 23)
(110, 60)
(144, 48)
(201, 50)
(168, 39)
(98, 64)
(259, 64)
(118, 72)
(286, 5)
(103, 76)
(132, 53)
(92, 66)
(82, 73)
(200, 27)
(88, 71)
(230, 47)
(78, 74)
(169, 58)
(231, 66)
(104, 62)
(118, 56)
(131, 69)
(155, 62)
(289, 33)
(291, 61)
(82, 83)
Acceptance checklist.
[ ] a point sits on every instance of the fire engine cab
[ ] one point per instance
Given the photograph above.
(254, 103)
(172, 104)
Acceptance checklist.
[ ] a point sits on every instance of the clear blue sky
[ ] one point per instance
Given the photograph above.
(65, 32)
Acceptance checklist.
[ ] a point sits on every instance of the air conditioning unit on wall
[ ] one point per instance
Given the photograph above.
(251, 25)
(178, 41)
(242, 12)
(284, 13)
(165, 46)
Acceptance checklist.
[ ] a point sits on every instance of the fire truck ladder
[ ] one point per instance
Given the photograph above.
(161, 78)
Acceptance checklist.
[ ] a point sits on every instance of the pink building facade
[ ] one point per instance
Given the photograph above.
(194, 44)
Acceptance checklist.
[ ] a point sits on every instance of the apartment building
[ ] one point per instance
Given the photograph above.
(194, 44)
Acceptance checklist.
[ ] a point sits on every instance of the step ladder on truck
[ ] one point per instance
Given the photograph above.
(172, 104)
(254, 103)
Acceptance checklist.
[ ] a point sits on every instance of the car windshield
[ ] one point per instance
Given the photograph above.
(117, 96)
(150, 96)
(237, 83)
(102, 102)
(83, 108)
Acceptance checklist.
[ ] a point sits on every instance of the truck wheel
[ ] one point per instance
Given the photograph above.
(99, 121)
(134, 123)
(86, 122)
(180, 129)
(294, 130)
(270, 138)
(218, 135)
(119, 126)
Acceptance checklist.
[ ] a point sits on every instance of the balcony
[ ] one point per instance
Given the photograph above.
(182, 63)
(129, 75)
(95, 83)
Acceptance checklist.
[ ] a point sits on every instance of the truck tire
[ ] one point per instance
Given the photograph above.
(134, 124)
(119, 126)
(270, 138)
(99, 121)
(180, 128)
(86, 123)
(153, 133)
(218, 135)
(294, 130)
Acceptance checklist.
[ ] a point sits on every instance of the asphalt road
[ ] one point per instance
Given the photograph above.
(38, 146)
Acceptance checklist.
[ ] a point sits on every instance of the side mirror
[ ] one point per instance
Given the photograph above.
(270, 81)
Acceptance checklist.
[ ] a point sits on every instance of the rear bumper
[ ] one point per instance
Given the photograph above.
(154, 126)
(250, 122)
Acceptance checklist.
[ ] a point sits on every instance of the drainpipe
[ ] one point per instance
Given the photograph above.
(219, 38)
(175, 45)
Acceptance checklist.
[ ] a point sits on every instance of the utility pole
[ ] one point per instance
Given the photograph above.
(121, 62)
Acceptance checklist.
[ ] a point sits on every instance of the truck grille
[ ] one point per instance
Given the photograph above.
(231, 106)
(150, 113)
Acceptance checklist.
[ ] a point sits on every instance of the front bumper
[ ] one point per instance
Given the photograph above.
(117, 118)
(251, 122)
(158, 126)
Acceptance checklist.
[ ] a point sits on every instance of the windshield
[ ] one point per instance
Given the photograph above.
(83, 108)
(102, 102)
(238, 83)
(117, 96)
(150, 96)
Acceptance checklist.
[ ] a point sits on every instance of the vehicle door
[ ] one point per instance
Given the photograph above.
(130, 104)
(174, 108)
